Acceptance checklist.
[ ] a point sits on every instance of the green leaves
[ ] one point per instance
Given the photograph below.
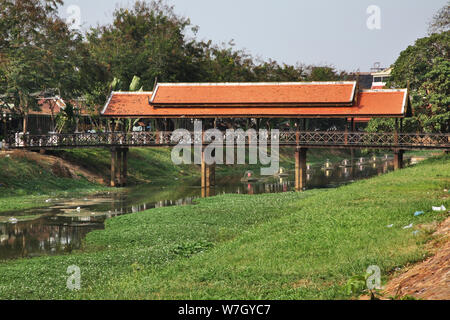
(426, 65)
(136, 84)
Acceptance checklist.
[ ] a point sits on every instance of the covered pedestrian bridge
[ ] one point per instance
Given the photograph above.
(287, 100)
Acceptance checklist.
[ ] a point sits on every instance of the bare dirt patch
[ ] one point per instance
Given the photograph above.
(430, 279)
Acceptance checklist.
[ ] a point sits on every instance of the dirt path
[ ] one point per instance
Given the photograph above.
(58, 166)
(430, 279)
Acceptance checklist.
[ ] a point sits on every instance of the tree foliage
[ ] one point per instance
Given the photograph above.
(39, 54)
(425, 67)
(441, 20)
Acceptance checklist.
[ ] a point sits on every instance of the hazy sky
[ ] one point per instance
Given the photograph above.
(330, 32)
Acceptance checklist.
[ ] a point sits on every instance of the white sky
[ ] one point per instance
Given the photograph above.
(330, 32)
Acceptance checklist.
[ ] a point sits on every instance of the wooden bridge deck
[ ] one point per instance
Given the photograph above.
(309, 139)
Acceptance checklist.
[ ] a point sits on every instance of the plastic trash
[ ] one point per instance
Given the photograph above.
(48, 200)
(390, 226)
(418, 213)
(416, 232)
(408, 226)
(78, 209)
(13, 220)
(441, 208)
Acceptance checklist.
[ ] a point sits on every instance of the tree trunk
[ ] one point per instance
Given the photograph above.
(25, 123)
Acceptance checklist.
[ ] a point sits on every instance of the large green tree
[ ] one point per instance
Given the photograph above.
(147, 41)
(425, 67)
(39, 54)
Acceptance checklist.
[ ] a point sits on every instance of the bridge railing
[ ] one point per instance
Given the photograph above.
(292, 138)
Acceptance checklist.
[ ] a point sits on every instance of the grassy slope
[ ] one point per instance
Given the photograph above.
(25, 183)
(144, 164)
(236, 246)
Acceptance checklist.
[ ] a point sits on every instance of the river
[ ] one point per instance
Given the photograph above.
(62, 226)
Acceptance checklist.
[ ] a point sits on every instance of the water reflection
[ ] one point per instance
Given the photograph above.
(62, 227)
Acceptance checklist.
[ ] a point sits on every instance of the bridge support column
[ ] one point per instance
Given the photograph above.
(300, 168)
(124, 167)
(398, 159)
(208, 173)
(113, 166)
(119, 167)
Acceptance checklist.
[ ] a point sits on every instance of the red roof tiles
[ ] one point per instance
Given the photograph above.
(47, 104)
(368, 103)
(220, 94)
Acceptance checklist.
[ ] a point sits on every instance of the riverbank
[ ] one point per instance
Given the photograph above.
(272, 246)
(28, 179)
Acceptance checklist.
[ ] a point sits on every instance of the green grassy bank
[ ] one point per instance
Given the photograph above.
(26, 183)
(271, 246)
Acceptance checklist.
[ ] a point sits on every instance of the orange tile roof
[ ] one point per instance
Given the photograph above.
(128, 104)
(169, 94)
(369, 103)
(46, 105)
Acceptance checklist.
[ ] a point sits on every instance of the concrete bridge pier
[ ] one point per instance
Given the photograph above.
(398, 159)
(300, 168)
(119, 167)
(208, 173)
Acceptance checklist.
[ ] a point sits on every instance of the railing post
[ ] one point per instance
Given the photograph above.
(396, 132)
(346, 132)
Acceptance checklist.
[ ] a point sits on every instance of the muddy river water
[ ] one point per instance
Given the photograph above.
(62, 226)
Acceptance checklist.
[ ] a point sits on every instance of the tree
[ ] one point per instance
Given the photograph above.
(425, 67)
(147, 41)
(38, 53)
(441, 20)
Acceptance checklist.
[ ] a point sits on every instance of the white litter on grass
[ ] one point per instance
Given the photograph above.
(48, 200)
(390, 226)
(78, 209)
(408, 226)
(13, 220)
(441, 208)
(416, 232)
